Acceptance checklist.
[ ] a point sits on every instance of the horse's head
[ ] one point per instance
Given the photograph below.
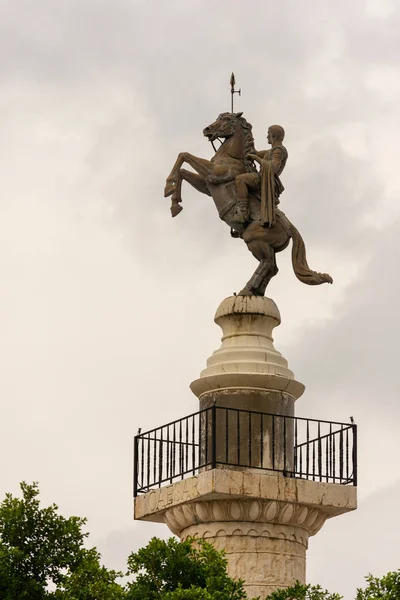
(224, 127)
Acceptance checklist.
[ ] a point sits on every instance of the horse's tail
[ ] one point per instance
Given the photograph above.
(300, 265)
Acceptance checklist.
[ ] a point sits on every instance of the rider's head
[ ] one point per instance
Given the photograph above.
(276, 133)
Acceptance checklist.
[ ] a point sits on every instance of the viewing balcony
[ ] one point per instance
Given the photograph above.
(219, 437)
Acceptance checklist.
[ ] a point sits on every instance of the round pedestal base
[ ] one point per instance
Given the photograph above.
(247, 358)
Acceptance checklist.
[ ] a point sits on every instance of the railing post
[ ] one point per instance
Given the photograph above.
(354, 454)
(213, 436)
(135, 465)
(341, 454)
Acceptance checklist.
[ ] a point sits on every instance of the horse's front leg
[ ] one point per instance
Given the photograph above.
(174, 180)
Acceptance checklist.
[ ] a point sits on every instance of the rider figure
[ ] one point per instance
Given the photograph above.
(245, 183)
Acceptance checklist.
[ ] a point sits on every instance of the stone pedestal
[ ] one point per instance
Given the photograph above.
(248, 373)
(260, 517)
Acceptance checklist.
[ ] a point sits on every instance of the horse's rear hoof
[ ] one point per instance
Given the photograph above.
(246, 292)
(176, 209)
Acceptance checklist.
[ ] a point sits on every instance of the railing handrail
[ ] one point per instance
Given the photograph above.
(174, 422)
(242, 410)
(321, 437)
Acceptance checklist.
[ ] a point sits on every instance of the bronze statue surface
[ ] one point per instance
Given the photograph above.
(246, 199)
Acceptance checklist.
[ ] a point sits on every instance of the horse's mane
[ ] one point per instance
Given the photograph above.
(248, 145)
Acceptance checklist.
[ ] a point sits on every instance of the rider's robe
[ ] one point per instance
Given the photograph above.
(272, 166)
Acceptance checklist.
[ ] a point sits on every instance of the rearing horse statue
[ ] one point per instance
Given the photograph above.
(216, 178)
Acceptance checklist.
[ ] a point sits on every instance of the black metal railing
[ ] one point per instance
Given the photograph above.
(217, 436)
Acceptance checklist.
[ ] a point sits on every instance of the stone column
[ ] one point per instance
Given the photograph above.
(253, 509)
(265, 541)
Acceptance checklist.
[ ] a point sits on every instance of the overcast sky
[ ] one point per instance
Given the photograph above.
(107, 304)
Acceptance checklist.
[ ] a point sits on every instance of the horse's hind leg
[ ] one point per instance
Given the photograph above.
(267, 268)
(261, 277)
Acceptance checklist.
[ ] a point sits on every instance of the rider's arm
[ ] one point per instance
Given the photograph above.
(277, 156)
(260, 153)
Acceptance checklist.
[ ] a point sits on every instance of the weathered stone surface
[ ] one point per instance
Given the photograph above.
(265, 556)
(247, 359)
(331, 499)
(262, 521)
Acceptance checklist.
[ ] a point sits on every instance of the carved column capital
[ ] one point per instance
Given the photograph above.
(309, 519)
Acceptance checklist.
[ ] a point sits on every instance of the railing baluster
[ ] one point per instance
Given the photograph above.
(330, 450)
(238, 438)
(313, 460)
(214, 437)
(326, 457)
(135, 465)
(160, 458)
(295, 456)
(173, 462)
(193, 447)
(334, 457)
(301, 462)
(187, 445)
(180, 457)
(273, 442)
(308, 449)
(168, 453)
(142, 462)
(155, 457)
(341, 454)
(200, 441)
(148, 462)
(347, 454)
(284, 444)
(261, 441)
(206, 439)
(226, 435)
(319, 451)
(354, 455)
(250, 461)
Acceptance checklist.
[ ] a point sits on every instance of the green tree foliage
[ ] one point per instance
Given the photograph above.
(42, 554)
(90, 581)
(175, 570)
(43, 557)
(385, 588)
(303, 592)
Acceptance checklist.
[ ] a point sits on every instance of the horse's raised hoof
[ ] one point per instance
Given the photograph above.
(176, 209)
(169, 189)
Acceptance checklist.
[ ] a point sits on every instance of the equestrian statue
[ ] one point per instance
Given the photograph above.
(246, 198)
